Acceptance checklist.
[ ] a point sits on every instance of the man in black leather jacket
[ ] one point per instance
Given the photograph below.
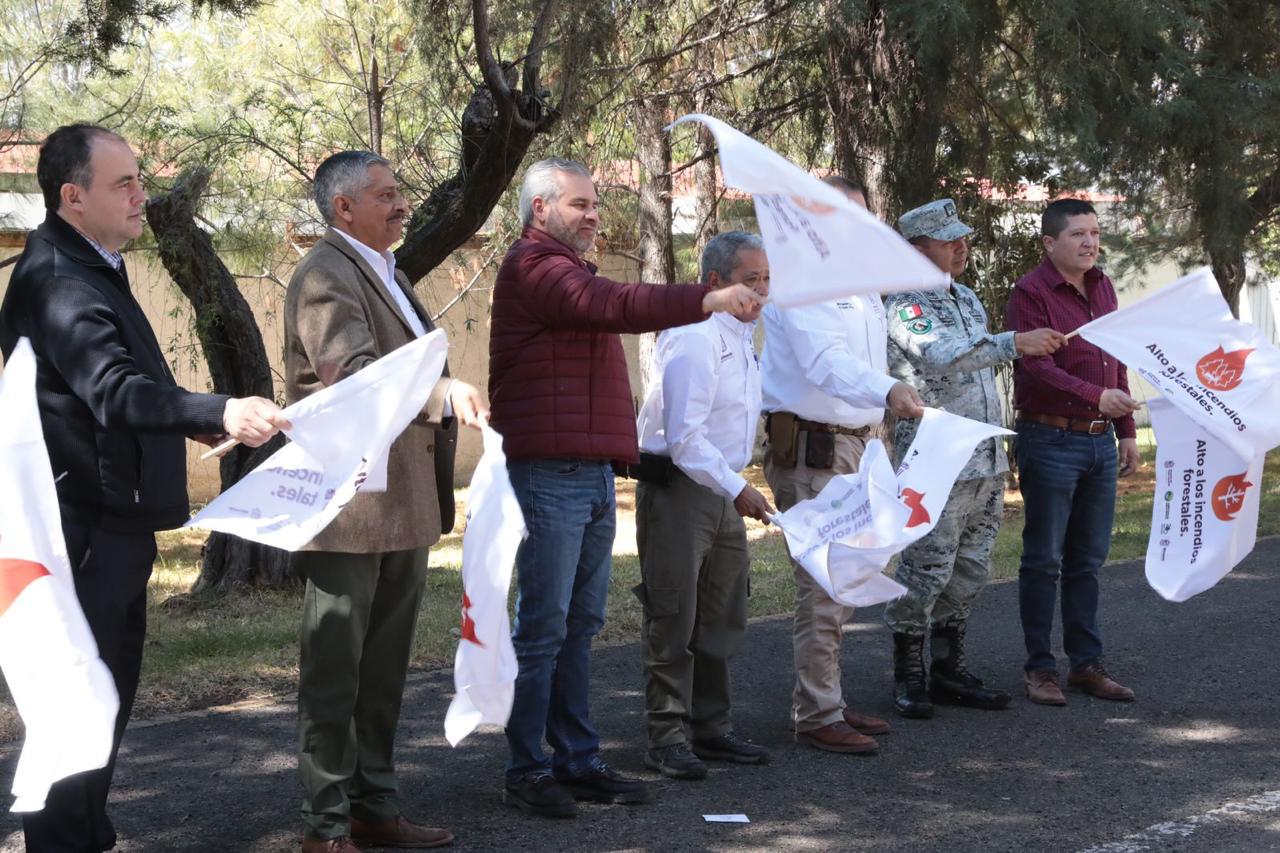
(114, 421)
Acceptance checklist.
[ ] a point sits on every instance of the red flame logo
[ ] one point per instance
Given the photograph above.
(469, 624)
(1222, 371)
(915, 501)
(15, 576)
(1228, 496)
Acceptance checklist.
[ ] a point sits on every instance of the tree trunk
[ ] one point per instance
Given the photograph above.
(706, 187)
(1229, 269)
(656, 248)
(237, 362)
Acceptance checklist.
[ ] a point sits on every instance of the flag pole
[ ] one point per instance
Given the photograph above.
(220, 449)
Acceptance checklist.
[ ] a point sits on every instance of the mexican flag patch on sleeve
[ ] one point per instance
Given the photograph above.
(910, 312)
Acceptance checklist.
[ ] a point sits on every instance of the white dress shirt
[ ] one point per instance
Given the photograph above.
(704, 405)
(827, 362)
(384, 264)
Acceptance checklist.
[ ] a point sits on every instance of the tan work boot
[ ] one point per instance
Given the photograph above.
(1092, 678)
(838, 737)
(1043, 689)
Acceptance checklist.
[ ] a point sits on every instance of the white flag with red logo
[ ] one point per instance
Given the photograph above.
(821, 246)
(1222, 373)
(63, 691)
(1204, 519)
(485, 668)
(340, 440)
(846, 535)
(1219, 416)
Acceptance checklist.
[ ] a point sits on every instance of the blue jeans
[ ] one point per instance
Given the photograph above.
(562, 579)
(1068, 482)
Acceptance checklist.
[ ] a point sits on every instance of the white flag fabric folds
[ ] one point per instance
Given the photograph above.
(63, 691)
(846, 535)
(341, 436)
(485, 667)
(1219, 416)
(821, 246)
(1204, 519)
(1222, 373)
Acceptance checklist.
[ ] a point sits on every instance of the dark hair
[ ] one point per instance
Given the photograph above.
(345, 173)
(1055, 216)
(64, 159)
(919, 240)
(844, 184)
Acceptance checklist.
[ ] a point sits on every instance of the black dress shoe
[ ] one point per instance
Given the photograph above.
(730, 747)
(540, 794)
(603, 784)
(676, 761)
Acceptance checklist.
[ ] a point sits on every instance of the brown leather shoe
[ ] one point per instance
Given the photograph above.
(838, 737)
(329, 845)
(865, 723)
(1043, 689)
(1092, 678)
(401, 833)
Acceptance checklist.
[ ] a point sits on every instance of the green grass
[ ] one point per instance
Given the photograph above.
(209, 651)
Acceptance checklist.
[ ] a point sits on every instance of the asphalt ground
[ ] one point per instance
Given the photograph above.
(1191, 766)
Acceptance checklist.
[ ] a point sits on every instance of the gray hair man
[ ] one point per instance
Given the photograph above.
(939, 343)
(697, 432)
(347, 305)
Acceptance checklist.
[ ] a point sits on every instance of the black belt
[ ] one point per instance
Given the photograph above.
(652, 468)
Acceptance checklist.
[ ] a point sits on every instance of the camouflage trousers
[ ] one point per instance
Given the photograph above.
(945, 571)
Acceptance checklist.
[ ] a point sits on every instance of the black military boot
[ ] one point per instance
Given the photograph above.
(949, 681)
(910, 692)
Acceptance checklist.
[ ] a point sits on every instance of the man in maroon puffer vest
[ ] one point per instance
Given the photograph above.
(562, 401)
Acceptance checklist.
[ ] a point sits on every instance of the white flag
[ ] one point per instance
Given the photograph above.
(846, 535)
(1222, 373)
(1204, 519)
(821, 246)
(341, 436)
(63, 691)
(485, 668)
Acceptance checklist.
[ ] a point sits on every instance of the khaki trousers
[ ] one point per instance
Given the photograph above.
(694, 566)
(816, 701)
(358, 618)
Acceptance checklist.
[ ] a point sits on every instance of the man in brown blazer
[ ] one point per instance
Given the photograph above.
(347, 306)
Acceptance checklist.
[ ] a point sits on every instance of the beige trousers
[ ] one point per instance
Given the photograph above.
(816, 701)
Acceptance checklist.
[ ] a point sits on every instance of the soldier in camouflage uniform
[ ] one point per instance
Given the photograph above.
(939, 344)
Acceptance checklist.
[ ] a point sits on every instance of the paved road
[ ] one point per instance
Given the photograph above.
(1192, 766)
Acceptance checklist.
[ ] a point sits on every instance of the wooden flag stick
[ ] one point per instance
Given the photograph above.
(220, 449)
(1071, 335)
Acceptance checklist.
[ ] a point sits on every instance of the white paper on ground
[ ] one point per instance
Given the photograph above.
(725, 818)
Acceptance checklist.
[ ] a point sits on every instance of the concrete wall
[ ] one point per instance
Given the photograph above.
(467, 324)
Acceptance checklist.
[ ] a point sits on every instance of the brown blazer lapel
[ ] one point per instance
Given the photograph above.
(372, 279)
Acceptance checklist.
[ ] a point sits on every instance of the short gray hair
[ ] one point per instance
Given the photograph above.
(542, 180)
(344, 173)
(721, 254)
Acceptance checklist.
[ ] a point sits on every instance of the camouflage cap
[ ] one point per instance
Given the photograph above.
(937, 220)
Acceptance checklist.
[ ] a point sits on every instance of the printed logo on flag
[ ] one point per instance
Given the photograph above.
(1222, 371)
(469, 624)
(915, 502)
(1228, 496)
(910, 312)
(15, 576)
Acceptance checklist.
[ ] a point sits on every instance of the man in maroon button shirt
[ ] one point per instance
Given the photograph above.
(1072, 406)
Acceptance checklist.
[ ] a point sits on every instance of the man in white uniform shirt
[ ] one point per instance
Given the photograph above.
(825, 388)
(697, 432)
